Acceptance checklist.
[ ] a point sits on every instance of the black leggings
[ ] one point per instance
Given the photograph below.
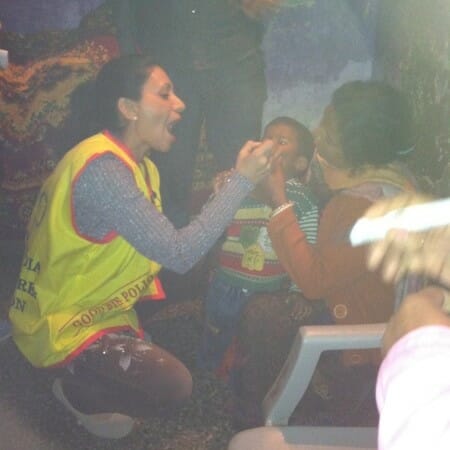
(123, 374)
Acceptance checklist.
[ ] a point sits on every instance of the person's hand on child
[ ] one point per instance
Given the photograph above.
(254, 162)
(255, 159)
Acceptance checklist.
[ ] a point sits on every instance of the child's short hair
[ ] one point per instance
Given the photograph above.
(305, 137)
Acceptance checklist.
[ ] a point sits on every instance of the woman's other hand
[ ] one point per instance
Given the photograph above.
(401, 251)
(254, 160)
(424, 308)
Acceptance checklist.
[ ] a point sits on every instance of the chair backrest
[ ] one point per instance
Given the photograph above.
(290, 386)
(297, 371)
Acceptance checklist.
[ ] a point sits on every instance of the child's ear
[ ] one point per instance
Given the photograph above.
(301, 165)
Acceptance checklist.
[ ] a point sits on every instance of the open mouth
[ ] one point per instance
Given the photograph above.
(171, 126)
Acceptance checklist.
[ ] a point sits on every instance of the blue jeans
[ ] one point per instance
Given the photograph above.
(223, 306)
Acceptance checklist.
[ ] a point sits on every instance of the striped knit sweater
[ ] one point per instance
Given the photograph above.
(246, 258)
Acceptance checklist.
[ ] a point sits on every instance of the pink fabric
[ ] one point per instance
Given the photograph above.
(413, 392)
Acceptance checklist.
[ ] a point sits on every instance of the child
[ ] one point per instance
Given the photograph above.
(247, 264)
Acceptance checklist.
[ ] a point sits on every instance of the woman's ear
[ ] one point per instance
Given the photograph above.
(127, 108)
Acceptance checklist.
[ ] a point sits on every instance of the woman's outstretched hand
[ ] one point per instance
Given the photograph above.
(254, 160)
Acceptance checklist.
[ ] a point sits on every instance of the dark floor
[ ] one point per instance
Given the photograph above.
(31, 419)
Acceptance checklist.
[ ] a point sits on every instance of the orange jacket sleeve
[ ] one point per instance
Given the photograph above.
(332, 263)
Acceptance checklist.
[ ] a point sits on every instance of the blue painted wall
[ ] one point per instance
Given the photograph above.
(313, 47)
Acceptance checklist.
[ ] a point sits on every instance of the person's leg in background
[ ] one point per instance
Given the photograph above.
(234, 108)
(176, 167)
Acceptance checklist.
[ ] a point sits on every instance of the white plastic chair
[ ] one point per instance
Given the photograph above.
(291, 384)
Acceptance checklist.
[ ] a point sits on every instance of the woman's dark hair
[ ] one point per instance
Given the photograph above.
(374, 123)
(93, 104)
(305, 137)
(120, 77)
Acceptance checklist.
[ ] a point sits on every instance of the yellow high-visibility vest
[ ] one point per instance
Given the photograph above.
(72, 289)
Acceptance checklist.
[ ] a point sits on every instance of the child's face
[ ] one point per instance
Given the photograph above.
(286, 143)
